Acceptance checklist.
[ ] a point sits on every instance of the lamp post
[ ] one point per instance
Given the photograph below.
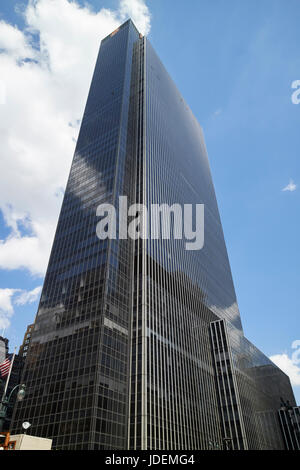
(5, 402)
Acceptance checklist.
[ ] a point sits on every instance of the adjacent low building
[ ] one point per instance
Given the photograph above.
(26, 442)
(289, 417)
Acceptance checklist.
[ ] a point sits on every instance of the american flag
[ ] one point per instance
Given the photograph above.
(4, 368)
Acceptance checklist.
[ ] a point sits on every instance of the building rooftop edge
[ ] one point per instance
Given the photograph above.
(129, 21)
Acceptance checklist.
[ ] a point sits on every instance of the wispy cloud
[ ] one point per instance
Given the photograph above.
(6, 306)
(28, 297)
(218, 112)
(290, 187)
(290, 365)
(11, 297)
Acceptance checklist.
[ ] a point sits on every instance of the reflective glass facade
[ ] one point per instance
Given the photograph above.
(77, 366)
(139, 344)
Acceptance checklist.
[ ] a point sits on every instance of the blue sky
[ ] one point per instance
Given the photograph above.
(234, 61)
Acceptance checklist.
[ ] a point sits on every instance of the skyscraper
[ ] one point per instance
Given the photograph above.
(139, 343)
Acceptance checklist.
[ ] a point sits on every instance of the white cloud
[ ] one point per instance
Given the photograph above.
(291, 366)
(290, 187)
(136, 9)
(6, 307)
(14, 41)
(46, 87)
(28, 297)
(11, 297)
(31, 253)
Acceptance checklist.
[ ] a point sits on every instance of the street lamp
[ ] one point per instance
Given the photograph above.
(26, 425)
(5, 402)
(21, 393)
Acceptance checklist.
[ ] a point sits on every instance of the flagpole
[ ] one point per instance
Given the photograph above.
(8, 377)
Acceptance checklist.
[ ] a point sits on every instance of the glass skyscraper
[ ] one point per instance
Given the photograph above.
(138, 344)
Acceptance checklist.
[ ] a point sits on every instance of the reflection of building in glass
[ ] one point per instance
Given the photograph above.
(139, 344)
